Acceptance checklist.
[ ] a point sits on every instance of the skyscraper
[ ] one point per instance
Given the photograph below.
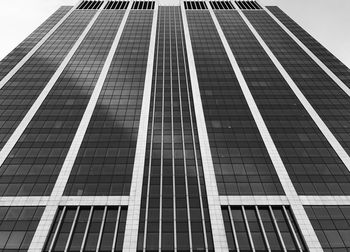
(206, 126)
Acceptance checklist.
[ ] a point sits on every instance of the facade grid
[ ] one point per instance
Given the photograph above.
(203, 126)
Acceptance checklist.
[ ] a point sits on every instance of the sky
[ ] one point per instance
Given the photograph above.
(326, 20)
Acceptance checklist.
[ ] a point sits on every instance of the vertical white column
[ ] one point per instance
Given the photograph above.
(216, 219)
(84, 123)
(42, 231)
(34, 108)
(312, 112)
(293, 198)
(36, 47)
(134, 206)
(335, 78)
(56, 195)
(151, 140)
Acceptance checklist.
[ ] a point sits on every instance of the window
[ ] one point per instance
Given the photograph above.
(17, 227)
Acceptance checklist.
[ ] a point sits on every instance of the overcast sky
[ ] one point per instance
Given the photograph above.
(327, 20)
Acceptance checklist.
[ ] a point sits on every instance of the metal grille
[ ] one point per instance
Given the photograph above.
(195, 5)
(143, 5)
(117, 5)
(85, 228)
(248, 5)
(90, 5)
(221, 5)
(262, 228)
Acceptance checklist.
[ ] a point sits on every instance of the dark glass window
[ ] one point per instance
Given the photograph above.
(104, 163)
(330, 102)
(21, 91)
(311, 162)
(17, 227)
(35, 161)
(15, 56)
(335, 65)
(332, 226)
(241, 162)
(174, 210)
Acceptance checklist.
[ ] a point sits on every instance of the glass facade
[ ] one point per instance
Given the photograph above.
(311, 162)
(105, 160)
(242, 164)
(334, 64)
(332, 226)
(21, 91)
(17, 227)
(24, 47)
(228, 156)
(328, 99)
(35, 161)
(174, 210)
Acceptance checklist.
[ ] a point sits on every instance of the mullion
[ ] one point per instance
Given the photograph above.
(234, 233)
(250, 5)
(257, 233)
(101, 229)
(296, 240)
(295, 227)
(152, 134)
(220, 5)
(248, 228)
(87, 229)
(162, 143)
(94, 229)
(116, 229)
(72, 228)
(166, 197)
(107, 5)
(230, 5)
(277, 229)
(94, 5)
(65, 229)
(57, 229)
(84, 5)
(172, 131)
(183, 141)
(80, 5)
(241, 5)
(245, 5)
(262, 228)
(89, 5)
(194, 142)
(285, 229)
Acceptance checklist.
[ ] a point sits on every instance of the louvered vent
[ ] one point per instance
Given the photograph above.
(117, 5)
(248, 5)
(143, 5)
(221, 5)
(90, 5)
(195, 5)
